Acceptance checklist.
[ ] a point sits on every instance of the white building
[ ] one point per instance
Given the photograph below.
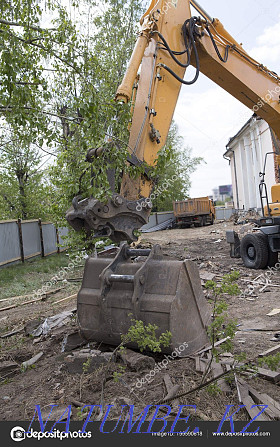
(246, 153)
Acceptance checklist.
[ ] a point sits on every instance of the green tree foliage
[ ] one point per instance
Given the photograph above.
(59, 70)
(107, 46)
(23, 189)
(146, 336)
(33, 58)
(172, 175)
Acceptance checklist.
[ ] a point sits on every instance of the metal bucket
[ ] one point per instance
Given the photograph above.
(153, 289)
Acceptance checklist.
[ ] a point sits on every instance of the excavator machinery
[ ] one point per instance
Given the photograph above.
(259, 249)
(142, 282)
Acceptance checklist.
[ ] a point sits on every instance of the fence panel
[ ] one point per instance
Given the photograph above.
(224, 213)
(157, 218)
(49, 238)
(21, 240)
(31, 239)
(9, 242)
(62, 232)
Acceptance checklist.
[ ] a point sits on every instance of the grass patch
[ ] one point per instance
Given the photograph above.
(22, 279)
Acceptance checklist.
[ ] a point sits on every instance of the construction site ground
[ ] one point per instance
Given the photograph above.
(49, 381)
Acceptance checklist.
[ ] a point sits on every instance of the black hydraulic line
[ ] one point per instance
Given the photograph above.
(191, 24)
(178, 78)
(172, 52)
(177, 53)
(223, 59)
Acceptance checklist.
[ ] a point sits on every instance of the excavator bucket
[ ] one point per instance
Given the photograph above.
(144, 285)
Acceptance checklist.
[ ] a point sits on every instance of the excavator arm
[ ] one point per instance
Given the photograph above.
(170, 41)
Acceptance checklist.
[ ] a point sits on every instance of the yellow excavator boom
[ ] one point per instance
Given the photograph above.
(169, 42)
(214, 52)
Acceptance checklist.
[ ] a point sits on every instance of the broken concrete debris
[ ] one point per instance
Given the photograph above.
(72, 341)
(136, 361)
(206, 276)
(31, 362)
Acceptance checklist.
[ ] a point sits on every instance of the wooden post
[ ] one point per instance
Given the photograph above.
(57, 241)
(20, 240)
(41, 238)
(156, 219)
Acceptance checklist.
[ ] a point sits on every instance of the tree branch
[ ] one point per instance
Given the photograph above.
(10, 108)
(25, 83)
(35, 28)
(44, 150)
(31, 42)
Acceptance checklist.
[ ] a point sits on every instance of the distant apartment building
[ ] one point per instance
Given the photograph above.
(222, 193)
(246, 152)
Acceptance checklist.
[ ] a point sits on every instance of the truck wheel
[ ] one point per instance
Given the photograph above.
(199, 223)
(254, 251)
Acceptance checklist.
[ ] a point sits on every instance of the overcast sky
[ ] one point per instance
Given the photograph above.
(208, 116)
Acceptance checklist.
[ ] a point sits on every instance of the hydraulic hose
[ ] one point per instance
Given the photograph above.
(223, 59)
(178, 78)
(189, 39)
(172, 52)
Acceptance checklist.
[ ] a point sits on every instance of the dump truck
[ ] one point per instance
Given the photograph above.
(148, 285)
(198, 212)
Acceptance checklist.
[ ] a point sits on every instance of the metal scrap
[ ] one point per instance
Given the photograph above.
(56, 321)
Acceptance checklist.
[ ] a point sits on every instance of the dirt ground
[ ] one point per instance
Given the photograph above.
(50, 382)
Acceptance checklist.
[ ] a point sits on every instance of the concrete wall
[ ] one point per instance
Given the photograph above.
(22, 240)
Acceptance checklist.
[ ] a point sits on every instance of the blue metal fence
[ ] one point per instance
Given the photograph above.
(21, 240)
